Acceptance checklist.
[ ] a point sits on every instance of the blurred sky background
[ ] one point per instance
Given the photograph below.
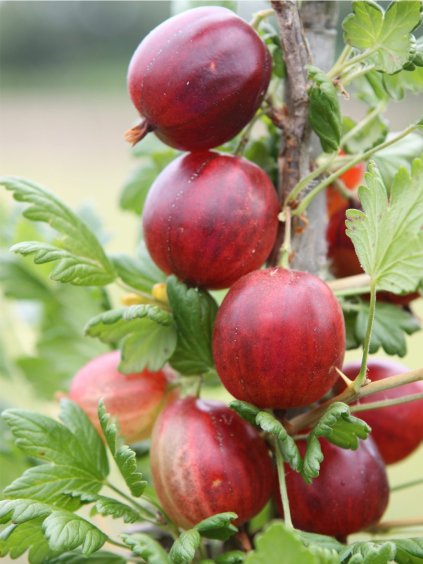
(64, 109)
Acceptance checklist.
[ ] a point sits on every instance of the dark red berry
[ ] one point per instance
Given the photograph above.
(350, 494)
(205, 459)
(210, 218)
(279, 336)
(397, 430)
(198, 78)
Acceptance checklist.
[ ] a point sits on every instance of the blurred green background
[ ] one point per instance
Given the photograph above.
(63, 111)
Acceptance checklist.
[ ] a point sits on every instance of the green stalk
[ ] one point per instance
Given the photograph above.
(386, 403)
(341, 59)
(286, 247)
(356, 74)
(406, 485)
(363, 123)
(145, 513)
(260, 16)
(298, 188)
(338, 70)
(361, 378)
(282, 486)
(355, 160)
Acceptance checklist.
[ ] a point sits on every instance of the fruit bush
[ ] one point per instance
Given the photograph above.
(285, 234)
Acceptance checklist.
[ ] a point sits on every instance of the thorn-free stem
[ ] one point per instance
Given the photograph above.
(282, 485)
(386, 403)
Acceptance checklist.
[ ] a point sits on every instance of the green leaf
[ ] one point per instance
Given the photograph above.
(133, 272)
(137, 185)
(145, 334)
(145, 546)
(246, 410)
(385, 36)
(387, 234)
(109, 506)
(398, 155)
(409, 551)
(390, 326)
(184, 548)
(15, 540)
(194, 312)
(418, 56)
(80, 257)
(67, 531)
(231, 557)
(76, 557)
(22, 510)
(276, 540)
(370, 553)
(289, 449)
(218, 526)
(323, 541)
(372, 134)
(124, 456)
(324, 110)
(20, 282)
(339, 427)
(397, 85)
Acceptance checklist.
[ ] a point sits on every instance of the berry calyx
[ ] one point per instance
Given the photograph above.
(198, 78)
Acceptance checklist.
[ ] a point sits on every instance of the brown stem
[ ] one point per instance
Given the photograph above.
(349, 283)
(293, 158)
(138, 132)
(389, 525)
(349, 395)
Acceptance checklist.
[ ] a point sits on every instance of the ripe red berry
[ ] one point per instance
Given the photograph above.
(134, 399)
(205, 459)
(350, 494)
(279, 336)
(354, 176)
(210, 218)
(198, 78)
(397, 430)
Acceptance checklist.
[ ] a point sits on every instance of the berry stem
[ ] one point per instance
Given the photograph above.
(361, 377)
(282, 486)
(363, 123)
(258, 17)
(350, 395)
(351, 285)
(406, 485)
(386, 403)
(286, 249)
(387, 526)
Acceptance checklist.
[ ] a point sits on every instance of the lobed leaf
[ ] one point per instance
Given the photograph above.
(137, 272)
(15, 540)
(385, 36)
(124, 457)
(79, 255)
(67, 531)
(387, 234)
(288, 447)
(116, 509)
(147, 547)
(194, 312)
(218, 526)
(184, 548)
(145, 334)
(324, 110)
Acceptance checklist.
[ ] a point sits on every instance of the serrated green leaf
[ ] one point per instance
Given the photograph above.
(231, 557)
(387, 234)
(133, 272)
(116, 509)
(324, 110)
(194, 312)
(67, 531)
(339, 427)
(246, 410)
(289, 449)
(218, 526)
(399, 155)
(385, 36)
(323, 541)
(275, 540)
(145, 546)
(20, 282)
(80, 257)
(184, 548)
(17, 539)
(77, 421)
(76, 557)
(53, 484)
(372, 134)
(390, 325)
(409, 551)
(124, 457)
(145, 334)
(370, 553)
(398, 84)
(22, 510)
